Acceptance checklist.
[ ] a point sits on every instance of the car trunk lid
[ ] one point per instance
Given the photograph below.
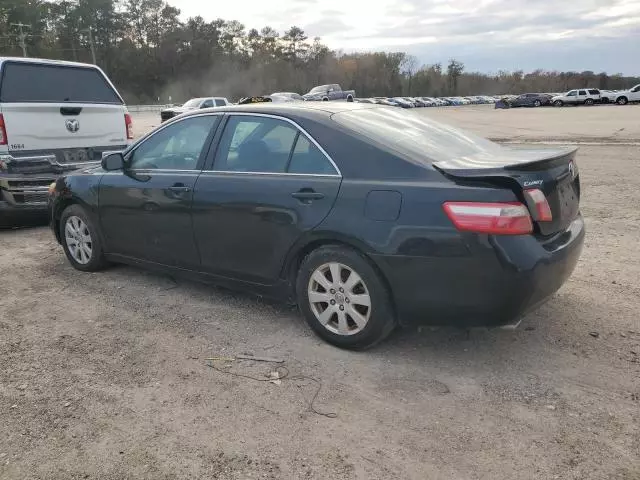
(554, 172)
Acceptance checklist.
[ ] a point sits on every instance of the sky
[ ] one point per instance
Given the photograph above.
(486, 35)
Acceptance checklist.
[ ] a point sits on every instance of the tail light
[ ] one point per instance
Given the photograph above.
(3, 131)
(491, 218)
(129, 125)
(538, 204)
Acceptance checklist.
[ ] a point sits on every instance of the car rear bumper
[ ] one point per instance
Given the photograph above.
(495, 283)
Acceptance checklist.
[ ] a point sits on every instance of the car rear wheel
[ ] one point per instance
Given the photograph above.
(80, 240)
(622, 101)
(343, 299)
(558, 103)
(588, 101)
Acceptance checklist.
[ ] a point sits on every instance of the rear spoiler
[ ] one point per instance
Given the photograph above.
(510, 160)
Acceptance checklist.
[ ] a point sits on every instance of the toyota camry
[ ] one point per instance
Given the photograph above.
(365, 216)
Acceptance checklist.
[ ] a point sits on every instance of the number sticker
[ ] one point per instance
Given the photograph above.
(16, 146)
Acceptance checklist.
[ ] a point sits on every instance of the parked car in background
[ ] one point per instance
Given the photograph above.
(530, 100)
(193, 104)
(284, 202)
(286, 97)
(627, 96)
(329, 92)
(582, 96)
(54, 117)
(402, 102)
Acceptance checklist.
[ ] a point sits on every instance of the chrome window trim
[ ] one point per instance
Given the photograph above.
(281, 174)
(302, 130)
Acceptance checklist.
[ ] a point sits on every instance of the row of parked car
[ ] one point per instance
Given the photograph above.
(411, 102)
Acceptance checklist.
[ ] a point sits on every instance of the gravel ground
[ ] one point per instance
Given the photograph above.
(105, 375)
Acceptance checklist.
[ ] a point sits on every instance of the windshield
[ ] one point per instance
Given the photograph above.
(416, 136)
(320, 89)
(194, 102)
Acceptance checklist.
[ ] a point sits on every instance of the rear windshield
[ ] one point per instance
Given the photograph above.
(414, 135)
(28, 82)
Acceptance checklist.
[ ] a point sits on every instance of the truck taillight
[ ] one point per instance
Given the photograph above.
(490, 218)
(539, 205)
(129, 125)
(3, 131)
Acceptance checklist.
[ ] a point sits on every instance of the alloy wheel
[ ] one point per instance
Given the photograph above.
(78, 240)
(339, 298)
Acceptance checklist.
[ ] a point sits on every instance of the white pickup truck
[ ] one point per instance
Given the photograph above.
(54, 117)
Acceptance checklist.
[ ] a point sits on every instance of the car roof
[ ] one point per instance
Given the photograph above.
(46, 61)
(317, 110)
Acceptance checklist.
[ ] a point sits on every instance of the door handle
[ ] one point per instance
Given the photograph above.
(306, 195)
(179, 189)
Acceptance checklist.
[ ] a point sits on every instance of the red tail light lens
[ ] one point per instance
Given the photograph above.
(491, 218)
(129, 124)
(536, 199)
(3, 131)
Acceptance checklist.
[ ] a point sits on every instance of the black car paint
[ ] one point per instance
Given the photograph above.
(248, 232)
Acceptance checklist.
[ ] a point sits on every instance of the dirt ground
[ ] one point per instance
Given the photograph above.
(104, 375)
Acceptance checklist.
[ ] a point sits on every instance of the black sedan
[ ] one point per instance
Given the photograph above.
(531, 100)
(366, 216)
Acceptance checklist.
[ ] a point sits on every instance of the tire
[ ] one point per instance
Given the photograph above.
(75, 227)
(325, 99)
(622, 101)
(376, 321)
(537, 103)
(558, 103)
(589, 101)
(349, 98)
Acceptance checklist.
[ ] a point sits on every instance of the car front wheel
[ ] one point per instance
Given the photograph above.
(622, 101)
(80, 240)
(537, 103)
(558, 103)
(343, 298)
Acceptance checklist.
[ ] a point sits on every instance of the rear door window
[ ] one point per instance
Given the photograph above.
(255, 144)
(308, 159)
(30, 82)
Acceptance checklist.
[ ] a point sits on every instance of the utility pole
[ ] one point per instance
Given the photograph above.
(93, 50)
(23, 37)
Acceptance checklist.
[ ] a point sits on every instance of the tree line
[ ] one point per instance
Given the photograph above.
(152, 55)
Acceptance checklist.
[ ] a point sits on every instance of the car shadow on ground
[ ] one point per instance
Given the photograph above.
(11, 223)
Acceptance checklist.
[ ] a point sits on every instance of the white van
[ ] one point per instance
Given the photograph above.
(54, 117)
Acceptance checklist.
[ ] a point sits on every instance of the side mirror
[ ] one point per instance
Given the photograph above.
(113, 161)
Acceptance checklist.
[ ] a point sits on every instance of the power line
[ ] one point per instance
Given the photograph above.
(22, 36)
